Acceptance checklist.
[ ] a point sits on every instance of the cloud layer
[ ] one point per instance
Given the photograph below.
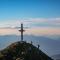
(32, 22)
(36, 26)
(32, 31)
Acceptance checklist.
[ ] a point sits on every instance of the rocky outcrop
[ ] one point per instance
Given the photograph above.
(22, 51)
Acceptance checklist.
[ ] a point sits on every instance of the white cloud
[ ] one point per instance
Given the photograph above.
(34, 31)
(51, 26)
(32, 22)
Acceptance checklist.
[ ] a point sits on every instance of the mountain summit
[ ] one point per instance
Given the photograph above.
(22, 51)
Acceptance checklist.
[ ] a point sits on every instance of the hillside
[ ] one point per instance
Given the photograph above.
(22, 51)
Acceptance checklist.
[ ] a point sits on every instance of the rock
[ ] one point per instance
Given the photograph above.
(23, 51)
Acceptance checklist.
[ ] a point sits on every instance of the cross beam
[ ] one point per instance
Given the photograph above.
(22, 30)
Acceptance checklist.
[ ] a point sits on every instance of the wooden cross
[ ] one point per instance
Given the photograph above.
(22, 30)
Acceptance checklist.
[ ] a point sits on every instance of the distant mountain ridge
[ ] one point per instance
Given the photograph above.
(56, 57)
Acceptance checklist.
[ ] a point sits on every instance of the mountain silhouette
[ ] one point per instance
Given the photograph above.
(47, 45)
(22, 51)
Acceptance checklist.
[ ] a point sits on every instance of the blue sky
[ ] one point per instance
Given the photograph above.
(15, 9)
(33, 13)
(11, 10)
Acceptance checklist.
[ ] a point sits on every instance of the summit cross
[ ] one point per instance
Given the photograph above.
(22, 30)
